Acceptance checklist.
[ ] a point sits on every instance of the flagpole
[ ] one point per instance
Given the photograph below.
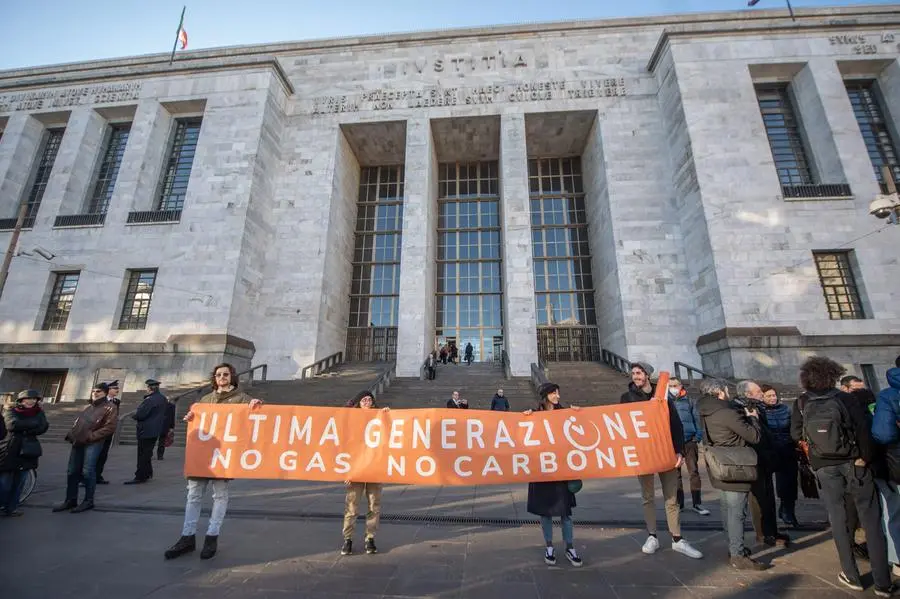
(177, 32)
(791, 10)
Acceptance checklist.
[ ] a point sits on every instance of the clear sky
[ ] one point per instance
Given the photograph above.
(39, 32)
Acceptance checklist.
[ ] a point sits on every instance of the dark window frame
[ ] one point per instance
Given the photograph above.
(108, 171)
(50, 144)
(839, 287)
(62, 296)
(871, 115)
(136, 310)
(176, 172)
(784, 132)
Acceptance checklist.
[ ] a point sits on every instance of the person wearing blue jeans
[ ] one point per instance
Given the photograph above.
(90, 430)
(553, 498)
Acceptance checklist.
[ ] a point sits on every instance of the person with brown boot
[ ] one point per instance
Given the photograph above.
(225, 391)
(96, 423)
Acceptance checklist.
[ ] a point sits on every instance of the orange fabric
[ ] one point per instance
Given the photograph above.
(429, 446)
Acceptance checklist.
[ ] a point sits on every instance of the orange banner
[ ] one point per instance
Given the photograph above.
(429, 446)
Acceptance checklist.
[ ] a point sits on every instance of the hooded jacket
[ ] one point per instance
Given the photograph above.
(727, 426)
(689, 416)
(634, 395)
(499, 404)
(885, 429)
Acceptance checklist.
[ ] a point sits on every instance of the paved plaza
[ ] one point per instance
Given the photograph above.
(282, 539)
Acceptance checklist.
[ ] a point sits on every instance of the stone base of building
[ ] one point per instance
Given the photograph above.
(66, 371)
(775, 353)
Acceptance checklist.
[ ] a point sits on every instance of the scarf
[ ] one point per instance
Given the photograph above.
(28, 412)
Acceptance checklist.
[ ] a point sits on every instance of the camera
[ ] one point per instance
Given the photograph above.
(883, 206)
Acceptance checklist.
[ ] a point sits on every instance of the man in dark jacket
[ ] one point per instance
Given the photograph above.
(641, 389)
(151, 419)
(841, 452)
(693, 435)
(168, 425)
(762, 493)
(727, 425)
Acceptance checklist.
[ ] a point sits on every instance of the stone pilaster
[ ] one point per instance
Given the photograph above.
(519, 324)
(18, 148)
(416, 327)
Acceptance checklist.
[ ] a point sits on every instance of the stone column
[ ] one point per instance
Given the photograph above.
(145, 151)
(832, 130)
(74, 168)
(519, 324)
(18, 148)
(416, 326)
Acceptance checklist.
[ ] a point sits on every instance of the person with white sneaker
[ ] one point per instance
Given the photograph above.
(641, 389)
(693, 435)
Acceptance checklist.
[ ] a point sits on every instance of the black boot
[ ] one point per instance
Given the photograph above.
(184, 545)
(65, 506)
(83, 507)
(210, 545)
(788, 516)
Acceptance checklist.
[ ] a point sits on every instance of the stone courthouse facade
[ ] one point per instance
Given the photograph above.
(687, 188)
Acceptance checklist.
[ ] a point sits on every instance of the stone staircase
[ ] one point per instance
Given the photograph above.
(476, 383)
(587, 383)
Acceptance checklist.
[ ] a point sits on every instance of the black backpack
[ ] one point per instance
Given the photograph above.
(827, 428)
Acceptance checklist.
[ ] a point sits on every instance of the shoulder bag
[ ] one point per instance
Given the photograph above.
(729, 464)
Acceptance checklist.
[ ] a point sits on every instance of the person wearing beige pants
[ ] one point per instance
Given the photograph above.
(639, 390)
(355, 494)
(669, 482)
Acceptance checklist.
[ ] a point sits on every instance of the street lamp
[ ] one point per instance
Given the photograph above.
(887, 205)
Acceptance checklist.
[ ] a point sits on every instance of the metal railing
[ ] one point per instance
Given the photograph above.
(153, 216)
(822, 190)
(79, 220)
(538, 376)
(199, 390)
(317, 368)
(615, 361)
(687, 374)
(504, 363)
(383, 381)
(8, 224)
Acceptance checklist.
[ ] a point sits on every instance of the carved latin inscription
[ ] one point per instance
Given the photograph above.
(861, 43)
(433, 96)
(74, 96)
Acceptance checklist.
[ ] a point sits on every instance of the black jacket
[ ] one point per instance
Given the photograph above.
(21, 430)
(170, 417)
(725, 425)
(634, 395)
(860, 425)
(551, 498)
(151, 416)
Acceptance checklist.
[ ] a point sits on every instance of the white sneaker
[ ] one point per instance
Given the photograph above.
(687, 549)
(651, 545)
(701, 510)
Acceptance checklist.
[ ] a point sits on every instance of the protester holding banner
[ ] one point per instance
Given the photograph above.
(641, 389)
(554, 498)
(225, 391)
(356, 490)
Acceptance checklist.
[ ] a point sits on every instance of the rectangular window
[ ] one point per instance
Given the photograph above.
(173, 186)
(137, 299)
(52, 141)
(783, 131)
(109, 169)
(838, 285)
(874, 128)
(61, 298)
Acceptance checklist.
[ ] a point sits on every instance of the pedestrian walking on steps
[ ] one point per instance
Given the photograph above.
(554, 499)
(225, 391)
(95, 423)
(357, 490)
(641, 389)
(469, 354)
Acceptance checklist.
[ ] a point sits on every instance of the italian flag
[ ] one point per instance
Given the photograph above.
(182, 36)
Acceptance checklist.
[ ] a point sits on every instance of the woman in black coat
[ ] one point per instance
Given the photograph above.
(19, 451)
(553, 499)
